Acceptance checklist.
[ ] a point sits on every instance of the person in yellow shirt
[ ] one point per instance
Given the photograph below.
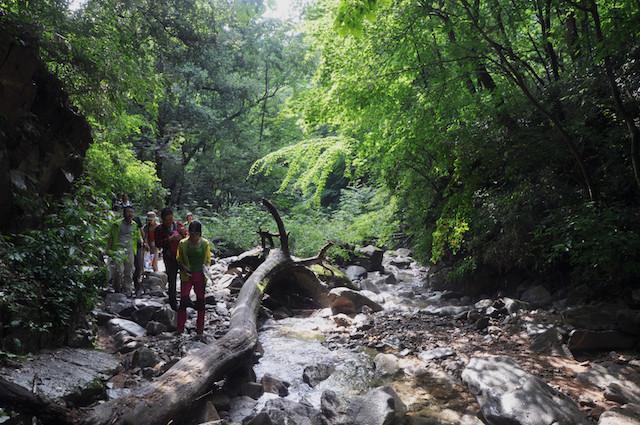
(194, 254)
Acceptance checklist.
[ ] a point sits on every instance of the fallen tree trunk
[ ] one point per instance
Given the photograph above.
(20, 399)
(171, 395)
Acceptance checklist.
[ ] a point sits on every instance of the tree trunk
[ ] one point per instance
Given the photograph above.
(174, 393)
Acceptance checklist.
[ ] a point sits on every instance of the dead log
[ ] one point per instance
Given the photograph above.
(18, 398)
(171, 395)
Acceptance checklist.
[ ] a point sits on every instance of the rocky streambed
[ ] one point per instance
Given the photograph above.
(388, 350)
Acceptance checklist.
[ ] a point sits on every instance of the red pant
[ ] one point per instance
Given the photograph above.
(197, 282)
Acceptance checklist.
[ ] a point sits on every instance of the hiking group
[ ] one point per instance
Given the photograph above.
(134, 248)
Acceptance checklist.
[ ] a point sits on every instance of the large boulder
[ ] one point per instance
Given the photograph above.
(379, 406)
(74, 376)
(116, 303)
(626, 415)
(509, 395)
(132, 328)
(356, 272)
(282, 411)
(348, 301)
(145, 310)
(332, 276)
(369, 257)
(588, 340)
(603, 317)
(537, 296)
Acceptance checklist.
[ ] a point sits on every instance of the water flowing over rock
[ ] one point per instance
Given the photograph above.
(509, 395)
(313, 375)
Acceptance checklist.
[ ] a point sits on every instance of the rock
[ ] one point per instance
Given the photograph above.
(313, 375)
(513, 306)
(621, 382)
(145, 310)
(130, 346)
(241, 408)
(483, 304)
(628, 321)
(386, 364)
(356, 272)
(119, 304)
(368, 285)
(270, 384)
(342, 320)
(166, 316)
(282, 411)
(379, 406)
(604, 317)
(537, 296)
(436, 354)
(588, 340)
(153, 282)
(362, 322)
(382, 279)
(332, 276)
(144, 357)
(493, 312)
(622, 394)
(550, 341)
(155, 328)
(345, 300)
(635, 296)
(369, 257)
(231, 281)
(73, 376)
(335, 409)
(509, 395)
(251, 389)
(132, 328)
(625, 415)
(102, 317)
(401, 262)
(81, 338)
(447, 310)
(481, 324)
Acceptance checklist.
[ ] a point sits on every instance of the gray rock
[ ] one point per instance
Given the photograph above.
(68, 375)
(379, 406)
(382, 279)
(335, 409)
(550, 341)
(145, 310)
(483, 304)
(368, 285)
(448, 310)
(386, 364)
(313, 375)
(155, 328)
(436, 354)
(347, 301)
(282, 411)
(537, 296)
(481, 323)
(513, 306)
(118, 304)
(625, 415)
(271, 384)
(166, 316)
(132, 328)
(356, 272)
(619, 382)
(144, 357)
(369, 257)
(401, 262)
(509, 395)
(588, 340)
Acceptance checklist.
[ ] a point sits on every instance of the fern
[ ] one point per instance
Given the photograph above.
(309, 163)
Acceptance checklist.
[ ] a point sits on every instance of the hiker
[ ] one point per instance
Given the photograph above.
(149, 232)
(124, 236)
(194, 255)
(168, 236)
(189, 219)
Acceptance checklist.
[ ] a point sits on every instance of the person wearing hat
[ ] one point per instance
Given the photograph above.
(149, 232)
(122, 247)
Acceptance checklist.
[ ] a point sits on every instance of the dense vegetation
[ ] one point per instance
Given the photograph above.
(492, 137)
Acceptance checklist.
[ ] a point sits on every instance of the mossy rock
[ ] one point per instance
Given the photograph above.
(332, 276)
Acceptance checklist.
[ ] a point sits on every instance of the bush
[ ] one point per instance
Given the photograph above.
(50, 276)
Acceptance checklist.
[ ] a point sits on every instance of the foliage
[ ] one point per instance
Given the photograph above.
(51, 275)
(309, 163)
